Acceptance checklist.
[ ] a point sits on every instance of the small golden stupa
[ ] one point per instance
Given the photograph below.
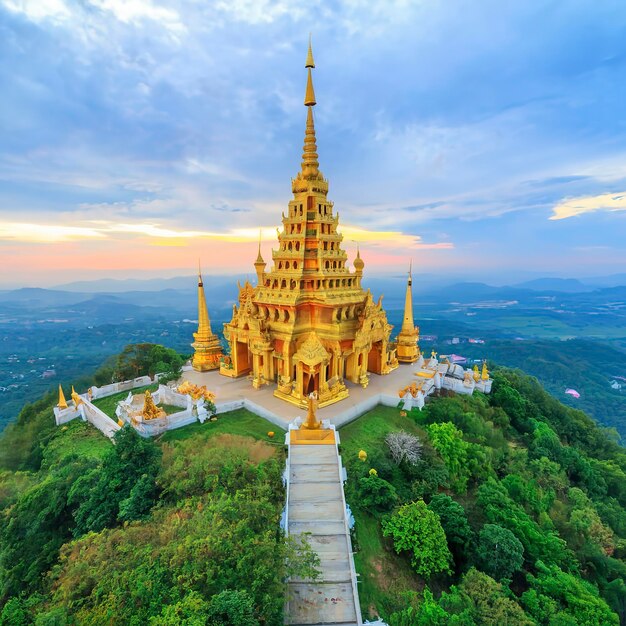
(206, 345)
(407, 349)
(62, 402)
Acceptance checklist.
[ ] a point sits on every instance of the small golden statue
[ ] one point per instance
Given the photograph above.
(76, 398)
(312, 423)
(476, 373)
(195, 391)
(485, 373)
(150, 410)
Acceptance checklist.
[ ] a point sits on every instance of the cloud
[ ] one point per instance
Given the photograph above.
(157, 234)
(126, 11)
(571, 207)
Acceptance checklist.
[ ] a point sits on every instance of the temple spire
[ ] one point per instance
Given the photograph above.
(259, 264)
(407, 348)
(204, 323)
(407, 323)
(310, 163)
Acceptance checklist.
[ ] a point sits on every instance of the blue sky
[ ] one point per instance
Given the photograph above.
(484, 139)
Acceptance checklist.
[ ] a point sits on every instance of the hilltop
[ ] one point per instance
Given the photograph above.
(185, 529)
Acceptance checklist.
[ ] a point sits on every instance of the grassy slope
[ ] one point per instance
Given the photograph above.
(79, 438)
(384, 575)
(238, 422)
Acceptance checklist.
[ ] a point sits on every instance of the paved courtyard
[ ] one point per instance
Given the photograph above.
(234, 393)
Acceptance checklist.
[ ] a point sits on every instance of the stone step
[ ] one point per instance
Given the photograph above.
(321, 603)
(309, 512)
(321, 493)
(302, 473)
(318, 528)
(312, 455)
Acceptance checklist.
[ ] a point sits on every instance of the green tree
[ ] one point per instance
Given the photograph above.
(448, 441)
(577, 599)
(36, 526)
(376, 493)
(500, 553)
(454, 523)
(487, 602)
(428, 612)
(190, 611)
(416, 529)
(231, 608)
(124, 487)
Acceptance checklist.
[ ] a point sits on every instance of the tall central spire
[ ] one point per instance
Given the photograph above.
(310, 163)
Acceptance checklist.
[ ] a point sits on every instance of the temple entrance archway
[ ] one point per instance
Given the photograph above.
(243, 362)
(310, 383)
(375, 358)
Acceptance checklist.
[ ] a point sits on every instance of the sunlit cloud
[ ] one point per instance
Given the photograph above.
(165, 236)
(385, 238)
(572, 207)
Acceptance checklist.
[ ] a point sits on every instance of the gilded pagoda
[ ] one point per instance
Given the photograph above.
(407, 348)
(206, 345)
(308, 325)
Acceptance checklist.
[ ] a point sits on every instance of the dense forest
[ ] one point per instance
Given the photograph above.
(508, 508)
(499, 509)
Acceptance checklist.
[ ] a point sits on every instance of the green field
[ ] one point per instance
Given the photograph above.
(75, 438)
(239, 422)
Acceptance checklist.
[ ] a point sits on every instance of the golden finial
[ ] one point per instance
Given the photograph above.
(62, 402)
(309, 96)
(358, 262)
(200, 284)
(309, 57)
(259, 258)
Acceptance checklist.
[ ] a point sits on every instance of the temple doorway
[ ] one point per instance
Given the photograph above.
(243, 357)
(310, 383)
(375, 358)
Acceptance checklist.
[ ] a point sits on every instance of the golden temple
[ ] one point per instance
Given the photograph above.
(308, 325)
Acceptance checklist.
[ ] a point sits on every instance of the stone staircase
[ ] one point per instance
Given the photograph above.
(316, 506)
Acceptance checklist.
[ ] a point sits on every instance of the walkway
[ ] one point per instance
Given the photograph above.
(233, 393)
(316, 505)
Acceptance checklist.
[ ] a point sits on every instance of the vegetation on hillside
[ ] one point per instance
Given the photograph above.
(180, 530)
(507, 508)
(510, 509)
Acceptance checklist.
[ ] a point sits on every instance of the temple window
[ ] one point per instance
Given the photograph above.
(286, 265)
(295, 265)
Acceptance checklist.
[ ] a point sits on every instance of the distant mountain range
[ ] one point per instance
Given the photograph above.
(178, 297)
